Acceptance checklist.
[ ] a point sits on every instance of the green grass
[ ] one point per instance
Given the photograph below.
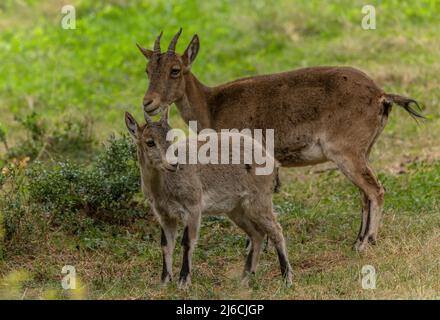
(96, 71)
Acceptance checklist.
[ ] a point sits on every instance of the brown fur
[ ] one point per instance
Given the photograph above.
(319, 114)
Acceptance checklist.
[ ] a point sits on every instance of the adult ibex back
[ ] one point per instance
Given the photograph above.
(319, 114)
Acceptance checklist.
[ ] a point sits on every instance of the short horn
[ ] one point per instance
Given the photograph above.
(157, 44)
(164, 115)
(148, 119)
(172, 46)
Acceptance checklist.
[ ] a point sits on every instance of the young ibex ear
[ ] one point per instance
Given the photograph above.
(131, 124)
(190, 53)
(147, 53)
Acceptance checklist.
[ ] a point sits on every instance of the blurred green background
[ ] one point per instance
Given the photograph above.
(95, 72)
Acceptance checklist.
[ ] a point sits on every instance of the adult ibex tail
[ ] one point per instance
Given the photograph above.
(405, 103)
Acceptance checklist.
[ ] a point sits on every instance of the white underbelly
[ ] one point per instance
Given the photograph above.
(218, 203)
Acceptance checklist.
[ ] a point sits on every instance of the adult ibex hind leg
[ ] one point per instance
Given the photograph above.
(351, 155)
(356, 169)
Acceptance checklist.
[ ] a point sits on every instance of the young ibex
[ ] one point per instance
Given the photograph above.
(188, 191)
(319, 114)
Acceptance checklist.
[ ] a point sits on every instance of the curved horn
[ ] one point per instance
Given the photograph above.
(157, 44)
(148, 119)
(172, 46)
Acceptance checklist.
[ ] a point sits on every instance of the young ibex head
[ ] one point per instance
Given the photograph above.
(166, 72)
(151, 141)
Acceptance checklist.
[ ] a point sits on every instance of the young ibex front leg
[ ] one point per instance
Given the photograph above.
(167, 242)
(189, 240)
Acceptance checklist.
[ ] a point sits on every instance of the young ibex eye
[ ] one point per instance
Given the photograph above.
(150, 143)
(175, 72)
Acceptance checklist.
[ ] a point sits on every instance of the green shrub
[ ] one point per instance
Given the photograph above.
(35, 195)
(20, 219)
(71, 137)
(107, 186)
(35, 131)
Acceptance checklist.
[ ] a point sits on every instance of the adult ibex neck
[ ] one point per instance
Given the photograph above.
(193, 105)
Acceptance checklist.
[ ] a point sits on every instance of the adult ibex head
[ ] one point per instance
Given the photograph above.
(166, 72)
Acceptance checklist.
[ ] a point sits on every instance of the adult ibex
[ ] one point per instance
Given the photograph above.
(189, 191)
(319, 114)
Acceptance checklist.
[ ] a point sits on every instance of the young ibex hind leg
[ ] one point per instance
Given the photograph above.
(265, 220)
(275, 233)
(256, 238)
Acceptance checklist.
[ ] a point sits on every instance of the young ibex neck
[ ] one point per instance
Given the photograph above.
(150, 178)
(193, 105)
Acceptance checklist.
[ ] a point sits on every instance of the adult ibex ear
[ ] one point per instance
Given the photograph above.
(147, 53)
(190, 53)
(131, 124)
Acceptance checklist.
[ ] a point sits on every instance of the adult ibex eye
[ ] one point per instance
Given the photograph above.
(150, 143)
(175, 72)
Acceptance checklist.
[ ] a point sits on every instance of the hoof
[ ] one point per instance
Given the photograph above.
(372, 239)
(288, 279)
(165, 280)
(245, 279)
(360, 245)
(184, 283)
(245, 282)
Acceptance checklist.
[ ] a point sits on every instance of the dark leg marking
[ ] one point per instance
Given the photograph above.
(163, 243)
(163, 239)
(249, 258)
(283, 262)
(266, 245)
(248, 242)
(185, 262)
(164, 269)
(367, 227)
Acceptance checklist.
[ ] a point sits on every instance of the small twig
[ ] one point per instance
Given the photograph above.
(43, 150)
(24, 293)
(6, 145)
(324, 170)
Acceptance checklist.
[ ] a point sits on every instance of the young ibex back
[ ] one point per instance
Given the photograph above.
(319, 114)
(186, 192)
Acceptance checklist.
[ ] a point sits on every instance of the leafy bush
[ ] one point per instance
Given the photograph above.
(35, 131)
(106, 186)
(35, 195)
(69, 136)
(19, 217)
